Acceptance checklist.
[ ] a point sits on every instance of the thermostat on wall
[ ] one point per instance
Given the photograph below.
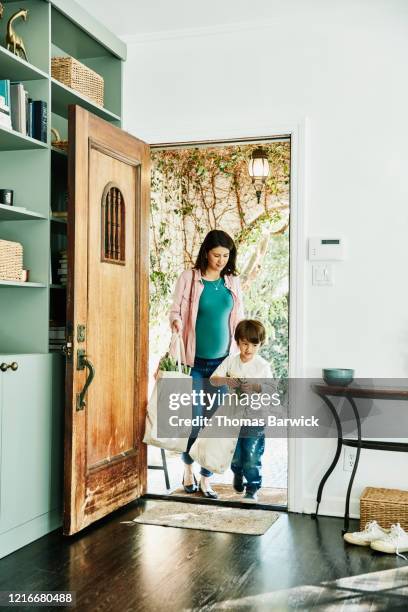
(326, 249)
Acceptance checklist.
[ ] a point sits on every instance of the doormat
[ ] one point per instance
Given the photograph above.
(267, 495)
(207, 517)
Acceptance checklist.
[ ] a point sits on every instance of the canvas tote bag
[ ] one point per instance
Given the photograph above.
(180, 383)
(215, 453)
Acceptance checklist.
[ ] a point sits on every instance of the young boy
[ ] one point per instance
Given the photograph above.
(236, 371)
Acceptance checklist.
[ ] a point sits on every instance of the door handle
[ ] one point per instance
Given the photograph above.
(82, 363)
(12, 366)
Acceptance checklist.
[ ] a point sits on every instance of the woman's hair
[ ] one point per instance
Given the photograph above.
(251, 331)
(217, 238)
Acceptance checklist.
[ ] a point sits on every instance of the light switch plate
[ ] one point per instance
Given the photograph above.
(322, 274)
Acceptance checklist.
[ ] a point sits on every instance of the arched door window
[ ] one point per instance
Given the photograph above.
(113, 225)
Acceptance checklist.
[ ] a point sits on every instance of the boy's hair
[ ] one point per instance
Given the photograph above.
(250, 330)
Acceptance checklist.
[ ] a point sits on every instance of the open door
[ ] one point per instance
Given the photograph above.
(107, 319)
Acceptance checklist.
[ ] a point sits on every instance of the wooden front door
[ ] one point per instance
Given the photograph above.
(107, 319)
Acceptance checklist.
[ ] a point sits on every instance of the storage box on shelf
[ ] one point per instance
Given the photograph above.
(77, 76)
(11, 260)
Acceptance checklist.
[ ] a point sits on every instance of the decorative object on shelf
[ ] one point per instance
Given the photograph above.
(25, 275)
(14, 42)
(386, 506)
(338, 376)
(6, 196)
(77, 76)
(11, 260)
(58, 143)
(258, 170)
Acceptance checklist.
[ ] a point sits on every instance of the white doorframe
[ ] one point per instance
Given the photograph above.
(297, 131)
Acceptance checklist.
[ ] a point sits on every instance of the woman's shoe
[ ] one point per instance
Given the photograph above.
(191, 488)
(208, 493)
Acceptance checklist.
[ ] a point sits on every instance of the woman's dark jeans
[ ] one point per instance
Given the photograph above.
(201, 372)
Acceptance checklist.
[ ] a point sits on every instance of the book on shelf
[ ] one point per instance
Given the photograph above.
(18, 108)
(22, 113)
(5, 117)
(57, 336)
(62, 270)
(39, 120)
(5, 91)
(56, 347)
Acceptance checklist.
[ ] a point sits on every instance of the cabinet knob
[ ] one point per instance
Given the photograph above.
(4, 366)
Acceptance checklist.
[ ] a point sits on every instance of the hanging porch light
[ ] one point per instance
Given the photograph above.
(258, 169)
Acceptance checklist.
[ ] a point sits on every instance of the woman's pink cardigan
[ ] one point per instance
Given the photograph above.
(189, 288)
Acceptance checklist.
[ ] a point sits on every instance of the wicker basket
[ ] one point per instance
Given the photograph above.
(58, 143)
(11, 260)
(386, 506)
(75, 75)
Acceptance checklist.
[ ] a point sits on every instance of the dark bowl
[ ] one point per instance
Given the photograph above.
(338, 376)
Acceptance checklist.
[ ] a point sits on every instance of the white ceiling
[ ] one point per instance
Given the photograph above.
(133, 17)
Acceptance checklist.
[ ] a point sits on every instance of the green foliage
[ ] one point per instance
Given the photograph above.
(169, 364)
(198, 189)
(266, 296)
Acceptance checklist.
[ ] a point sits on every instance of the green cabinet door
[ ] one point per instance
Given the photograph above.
(31, 448)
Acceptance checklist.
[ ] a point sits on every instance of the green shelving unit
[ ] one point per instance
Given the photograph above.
(17, 69)
(63, 95)
(10, 140)
(17, 213)
(37, 173)
(5, 283)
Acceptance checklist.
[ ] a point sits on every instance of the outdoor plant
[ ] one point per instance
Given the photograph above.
(169, 364)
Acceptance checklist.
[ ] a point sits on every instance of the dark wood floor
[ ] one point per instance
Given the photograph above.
(117, 567)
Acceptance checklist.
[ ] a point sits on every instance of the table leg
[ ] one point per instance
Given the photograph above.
(336, 456)
(353, 473)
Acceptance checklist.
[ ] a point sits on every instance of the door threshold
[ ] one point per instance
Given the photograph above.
(214, 502)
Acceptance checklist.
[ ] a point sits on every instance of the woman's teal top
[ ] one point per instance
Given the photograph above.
(212, 325)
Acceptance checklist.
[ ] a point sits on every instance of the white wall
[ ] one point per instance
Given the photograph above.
(341, 65)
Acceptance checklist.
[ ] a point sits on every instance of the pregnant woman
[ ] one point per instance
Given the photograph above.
(207, 306)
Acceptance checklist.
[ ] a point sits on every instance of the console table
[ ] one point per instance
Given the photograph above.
(351, 394)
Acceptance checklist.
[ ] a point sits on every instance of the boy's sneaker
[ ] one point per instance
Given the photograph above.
(372, 532)
(238, 483)
(395, 542)
(252, 495)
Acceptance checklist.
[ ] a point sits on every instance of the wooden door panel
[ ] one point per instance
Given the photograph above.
(105, 460)
(111, 293)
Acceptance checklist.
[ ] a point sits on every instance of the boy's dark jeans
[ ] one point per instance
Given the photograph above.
(247, 462)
